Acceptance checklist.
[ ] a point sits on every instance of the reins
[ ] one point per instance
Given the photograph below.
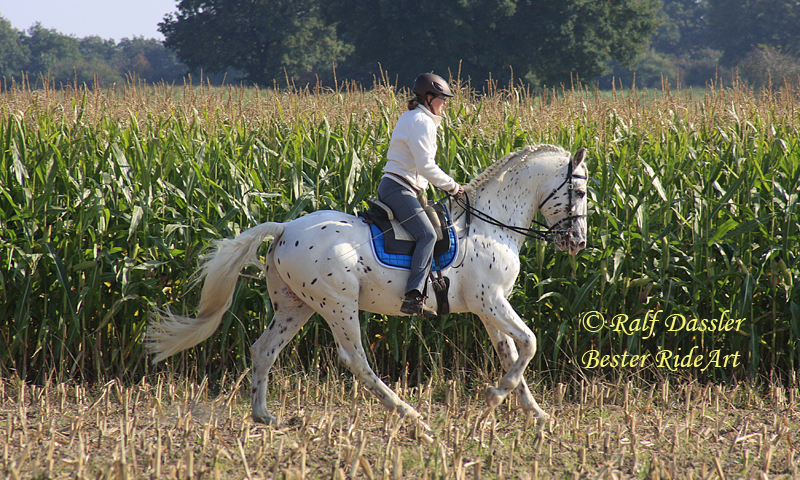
(545, 233)
(539, 234)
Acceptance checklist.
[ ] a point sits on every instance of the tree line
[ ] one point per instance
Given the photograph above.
(40, 54)
(538, 42)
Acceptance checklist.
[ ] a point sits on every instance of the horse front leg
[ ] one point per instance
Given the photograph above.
(507, 351)
(501, 316)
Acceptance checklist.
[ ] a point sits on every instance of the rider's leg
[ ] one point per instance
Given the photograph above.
(408, 211)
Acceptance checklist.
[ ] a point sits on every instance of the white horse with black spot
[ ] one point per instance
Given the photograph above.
(323, 262)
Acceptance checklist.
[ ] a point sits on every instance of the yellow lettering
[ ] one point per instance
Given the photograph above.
(691, 325)
(739, 324)
(652, 322)
(715, 325)
(643, 361)
(710, 324)
(592, 361)
(662, 359)
(686, 361)
(735, 361)
(713, 359)
(619, 322)
(728, 325)
(674, 317)
(636, 324)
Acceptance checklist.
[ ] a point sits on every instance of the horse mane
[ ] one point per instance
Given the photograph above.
(508, 161)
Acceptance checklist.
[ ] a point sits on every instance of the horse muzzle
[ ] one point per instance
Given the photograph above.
(569, 243)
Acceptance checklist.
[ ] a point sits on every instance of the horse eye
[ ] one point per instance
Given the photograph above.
(581, 193)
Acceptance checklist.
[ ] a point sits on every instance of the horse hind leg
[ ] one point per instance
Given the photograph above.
(290, 314)
(347, 332)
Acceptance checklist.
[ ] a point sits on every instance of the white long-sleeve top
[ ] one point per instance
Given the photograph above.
(412, 151)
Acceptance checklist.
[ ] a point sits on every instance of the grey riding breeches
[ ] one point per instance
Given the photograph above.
(408, 211)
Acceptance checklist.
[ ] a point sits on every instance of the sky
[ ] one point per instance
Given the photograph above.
(107, 19)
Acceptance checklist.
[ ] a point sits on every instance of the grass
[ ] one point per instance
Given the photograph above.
(108, 197)
(166, 427)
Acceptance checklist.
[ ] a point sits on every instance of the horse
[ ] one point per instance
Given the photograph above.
(323, 262)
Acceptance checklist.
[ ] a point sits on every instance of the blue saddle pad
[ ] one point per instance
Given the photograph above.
(394, 260)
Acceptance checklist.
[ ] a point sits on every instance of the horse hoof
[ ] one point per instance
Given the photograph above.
(543, 417)
(541, 420)
(493, 397)
(424, 425)
(265, 419)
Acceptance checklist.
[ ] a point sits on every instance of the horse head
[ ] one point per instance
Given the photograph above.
(564, 206)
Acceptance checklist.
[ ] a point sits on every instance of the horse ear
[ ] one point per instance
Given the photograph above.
(579, 157)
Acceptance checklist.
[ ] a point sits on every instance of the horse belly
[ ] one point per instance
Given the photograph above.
(382, 288)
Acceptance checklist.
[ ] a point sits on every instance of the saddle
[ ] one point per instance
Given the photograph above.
(393, 245)
(397, 240)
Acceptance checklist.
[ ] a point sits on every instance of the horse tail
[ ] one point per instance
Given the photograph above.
(168, 333)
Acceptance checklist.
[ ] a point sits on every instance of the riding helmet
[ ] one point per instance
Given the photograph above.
(430, 83)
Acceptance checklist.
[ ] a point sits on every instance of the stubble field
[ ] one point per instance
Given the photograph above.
(332, 428)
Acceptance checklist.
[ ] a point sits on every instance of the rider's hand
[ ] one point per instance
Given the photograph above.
(459, 193)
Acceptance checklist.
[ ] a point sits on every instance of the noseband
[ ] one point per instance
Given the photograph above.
(545, 233)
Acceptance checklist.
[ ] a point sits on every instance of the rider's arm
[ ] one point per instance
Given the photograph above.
(422, 142)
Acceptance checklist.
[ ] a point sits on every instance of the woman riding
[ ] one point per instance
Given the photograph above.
(410, 167)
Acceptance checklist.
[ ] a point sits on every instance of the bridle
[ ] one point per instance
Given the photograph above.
(570, 188)
(546, 232)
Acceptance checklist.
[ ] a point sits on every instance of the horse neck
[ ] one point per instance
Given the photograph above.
(510, 197)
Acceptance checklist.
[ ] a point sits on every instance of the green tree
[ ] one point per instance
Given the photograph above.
(52, 55)
(679, 50)
(95, 62)
(13, 55)
(649, 71)
(148, 60)
(95, 47)
(542, 41)
(683, 29)
(738, 26)
(46, 54)
(63, 59)
(264, 39)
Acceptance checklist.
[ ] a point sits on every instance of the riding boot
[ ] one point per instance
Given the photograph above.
(414, 304)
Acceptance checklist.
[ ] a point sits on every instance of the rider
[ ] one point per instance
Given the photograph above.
(410, 167)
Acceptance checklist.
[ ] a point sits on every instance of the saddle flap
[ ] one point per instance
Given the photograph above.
(375, 204)
(395, 253)
(400, 232)
(436, 216)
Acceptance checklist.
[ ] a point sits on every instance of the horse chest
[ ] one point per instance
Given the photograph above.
(498, 261)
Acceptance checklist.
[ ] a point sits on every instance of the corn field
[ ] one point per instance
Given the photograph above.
(109, 198)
